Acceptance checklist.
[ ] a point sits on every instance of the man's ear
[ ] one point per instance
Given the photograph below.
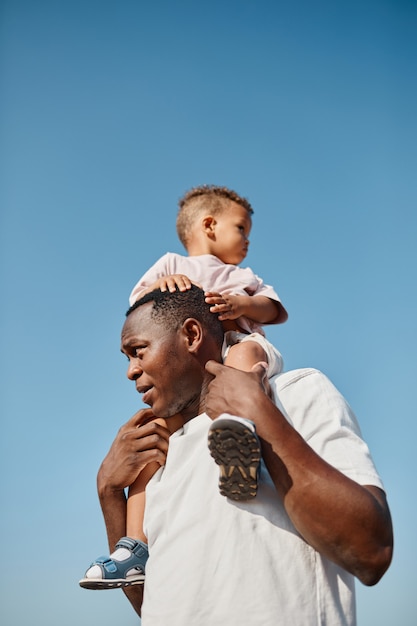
(193, 334)
(209, 224)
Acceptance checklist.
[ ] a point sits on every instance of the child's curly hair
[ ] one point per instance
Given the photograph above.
(208, 199)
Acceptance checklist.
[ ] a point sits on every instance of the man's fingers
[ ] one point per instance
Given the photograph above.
(260, 369)
(141, 417)
(142, 433)
(152, 455)
(214, 368)
(153, 435)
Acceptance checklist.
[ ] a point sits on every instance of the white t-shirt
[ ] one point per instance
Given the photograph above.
(214, 562)
(213, 275)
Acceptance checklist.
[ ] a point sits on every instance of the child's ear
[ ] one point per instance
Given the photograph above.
(209, 224)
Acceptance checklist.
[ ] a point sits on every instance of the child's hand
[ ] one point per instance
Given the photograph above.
(171, 283)
(227, 306)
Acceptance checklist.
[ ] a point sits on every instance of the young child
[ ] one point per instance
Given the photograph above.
(213, 224)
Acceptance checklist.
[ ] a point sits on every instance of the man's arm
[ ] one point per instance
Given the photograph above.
(113, 506)
(348, 523)
(137, 444)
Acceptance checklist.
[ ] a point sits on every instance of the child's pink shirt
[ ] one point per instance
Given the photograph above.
(213, 275)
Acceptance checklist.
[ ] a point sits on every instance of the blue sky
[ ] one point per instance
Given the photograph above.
(109, 112)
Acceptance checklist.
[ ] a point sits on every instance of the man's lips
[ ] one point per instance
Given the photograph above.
(145, 391)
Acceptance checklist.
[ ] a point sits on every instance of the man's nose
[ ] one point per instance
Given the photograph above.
(134, 370)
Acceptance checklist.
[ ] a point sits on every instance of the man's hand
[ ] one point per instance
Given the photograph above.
(138, 442)
(233, 391)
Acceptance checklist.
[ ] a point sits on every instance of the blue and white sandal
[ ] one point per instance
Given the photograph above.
(110, 573)
(235, 447)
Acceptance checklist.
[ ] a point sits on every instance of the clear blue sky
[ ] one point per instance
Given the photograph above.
(110, 110)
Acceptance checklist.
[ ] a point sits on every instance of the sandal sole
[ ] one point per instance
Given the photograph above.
(236, 450)
(117, 583)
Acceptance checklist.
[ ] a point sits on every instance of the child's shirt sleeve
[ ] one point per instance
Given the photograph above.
(158, 270)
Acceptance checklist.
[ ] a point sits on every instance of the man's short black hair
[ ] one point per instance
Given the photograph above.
(172, 308)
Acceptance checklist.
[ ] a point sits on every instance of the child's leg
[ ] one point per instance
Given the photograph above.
(244, 355)
(126, 565)
(136, 503)
(136, 498)
(233, 442)
(246, 350)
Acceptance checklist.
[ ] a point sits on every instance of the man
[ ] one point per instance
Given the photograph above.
(289, 555)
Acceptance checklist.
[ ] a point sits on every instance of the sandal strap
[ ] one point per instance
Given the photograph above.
(112, 568)
(133, 545)
(106, 563)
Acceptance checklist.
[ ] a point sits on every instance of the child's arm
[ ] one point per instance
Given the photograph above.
(256, 308)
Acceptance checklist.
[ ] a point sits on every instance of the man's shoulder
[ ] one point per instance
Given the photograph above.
(285, 379)
(304, 387)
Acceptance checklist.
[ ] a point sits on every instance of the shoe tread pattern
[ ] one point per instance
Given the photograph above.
(236, 451)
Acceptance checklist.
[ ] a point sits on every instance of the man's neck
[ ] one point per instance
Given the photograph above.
(197, 405)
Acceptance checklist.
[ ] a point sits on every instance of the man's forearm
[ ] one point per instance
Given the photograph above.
(113, 506)
(348, 523)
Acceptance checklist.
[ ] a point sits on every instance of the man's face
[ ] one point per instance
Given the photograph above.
(164, 371)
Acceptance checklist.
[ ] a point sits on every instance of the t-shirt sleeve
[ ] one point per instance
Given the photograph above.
(319, 412)
(255, 286)
(159, 269)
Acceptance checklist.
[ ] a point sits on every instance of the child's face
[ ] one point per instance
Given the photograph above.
(231, 234)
